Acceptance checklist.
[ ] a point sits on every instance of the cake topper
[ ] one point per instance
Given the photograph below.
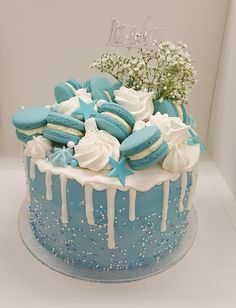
(122, 35)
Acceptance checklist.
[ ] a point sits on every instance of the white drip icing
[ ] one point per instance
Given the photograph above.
(165, 203)
(48, 184)
(28, 196)
(88, 192)
(132, 199)
(192, 187)
(111, 194)
(32, 169)
(64, 212)
(183, 186)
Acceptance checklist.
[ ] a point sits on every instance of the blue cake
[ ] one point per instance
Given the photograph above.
(100, 198)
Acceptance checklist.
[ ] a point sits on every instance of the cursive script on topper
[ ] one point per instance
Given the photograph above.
(122, 35)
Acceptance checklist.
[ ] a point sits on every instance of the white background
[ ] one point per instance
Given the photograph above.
(222, 137)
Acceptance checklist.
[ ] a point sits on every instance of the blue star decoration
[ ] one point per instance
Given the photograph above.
(86, 110)
(194, 139)
(119, 169)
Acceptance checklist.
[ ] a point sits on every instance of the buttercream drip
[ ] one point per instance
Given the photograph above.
(183, 186)
(88, 192)
(95, 148)
(64, 211)
(38, 147)
(111, 194)
(132, 200)
(48, 184)
(153, 175)
(32, 169)
(165, 204)
(139, 103)
(192, 187)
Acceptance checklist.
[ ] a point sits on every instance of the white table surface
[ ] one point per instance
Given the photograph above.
(206, 277)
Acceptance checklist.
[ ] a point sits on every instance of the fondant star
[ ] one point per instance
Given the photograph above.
(119, 169)
(86, 109)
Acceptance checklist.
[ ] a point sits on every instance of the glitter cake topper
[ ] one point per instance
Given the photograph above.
(122, 35)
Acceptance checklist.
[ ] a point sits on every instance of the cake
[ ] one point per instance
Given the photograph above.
(111, 167)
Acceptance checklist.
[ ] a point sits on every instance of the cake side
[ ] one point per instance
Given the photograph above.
(104, 225)
(120, 235)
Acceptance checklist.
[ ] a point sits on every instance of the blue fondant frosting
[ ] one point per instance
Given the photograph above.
(108, 229)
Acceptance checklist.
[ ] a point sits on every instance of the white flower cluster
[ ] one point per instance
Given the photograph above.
(167, 70)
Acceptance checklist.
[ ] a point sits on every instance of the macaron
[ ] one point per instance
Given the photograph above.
(173, 110)
(62, 128)
(30, 122)
(99, 83)
(65, 90)
(107, 93)
(144, 147)
(115, 119)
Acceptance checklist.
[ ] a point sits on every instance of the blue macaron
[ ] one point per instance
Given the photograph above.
(62, 128)
(115, 119)
(144, 148)
(173, 110)
(65, 90)
(99, 83)
(30, 122)
(107, 93)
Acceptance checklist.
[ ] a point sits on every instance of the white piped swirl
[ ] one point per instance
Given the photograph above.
(38, 147)
(139, 103)
(95, 148)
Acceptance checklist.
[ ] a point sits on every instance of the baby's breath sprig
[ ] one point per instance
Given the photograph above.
(167, 70)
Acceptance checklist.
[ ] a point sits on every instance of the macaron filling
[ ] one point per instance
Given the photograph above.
(151, 149)
(65, 129)
(152, 158)
(71, 87)
(119, 119)
(108, 95)
(30, 132)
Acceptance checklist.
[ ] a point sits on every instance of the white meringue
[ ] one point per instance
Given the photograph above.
(177, 159)
(173, 129)
(95, 148)
(139, 103)
(139, 125)
(38, 147)
(69, 106)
